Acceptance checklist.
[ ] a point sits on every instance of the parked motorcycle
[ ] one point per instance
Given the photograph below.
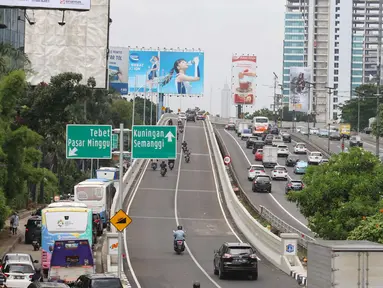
(154, 166)
(163, 172)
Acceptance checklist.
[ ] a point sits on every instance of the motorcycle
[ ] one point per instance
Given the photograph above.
(181, 130)
(184, 149)
(187, 158)
(36, 242)
(179, 246)
(171, 165)
(163, 172)
(154, 166)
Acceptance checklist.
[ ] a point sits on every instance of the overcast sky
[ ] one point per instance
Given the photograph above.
(219, 28)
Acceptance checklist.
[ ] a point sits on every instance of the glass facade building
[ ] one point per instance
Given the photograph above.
(13, 29)
(357, 62)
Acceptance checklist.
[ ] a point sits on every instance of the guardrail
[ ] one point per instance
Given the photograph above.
(267, 243)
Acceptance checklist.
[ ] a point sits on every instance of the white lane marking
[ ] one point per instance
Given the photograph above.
(178, 222)
(125, 236)
(272, 197)
(173, 218)
(172, 190)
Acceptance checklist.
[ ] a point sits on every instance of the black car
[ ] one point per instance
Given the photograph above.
(274, 131)
(37, 212)
(294, 185)
(237, 258)
(37, 284)
(97, 222)
(262, 183)
(269, 139)
(335, 136)
(258, 144)
(291, 160)
(250, 141)
(98, 280)
(356, 141)
(190, 117)
(286, 137)
(33, 229)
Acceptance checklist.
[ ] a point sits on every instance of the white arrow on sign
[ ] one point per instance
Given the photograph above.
(72, 152)
(170, 136)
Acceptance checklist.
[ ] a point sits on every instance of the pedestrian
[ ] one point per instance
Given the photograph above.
(15, 223)
(11, 220)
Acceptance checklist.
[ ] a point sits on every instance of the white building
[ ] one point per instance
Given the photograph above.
(338, 41)
(226, 102)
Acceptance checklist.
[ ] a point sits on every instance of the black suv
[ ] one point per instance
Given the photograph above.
(33, 229)
(262, 183)
(190, 117)
(250, 141)
(98, 280)
(236, 257)
(286, 137)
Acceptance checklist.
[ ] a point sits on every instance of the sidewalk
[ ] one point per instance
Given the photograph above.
(9, 241)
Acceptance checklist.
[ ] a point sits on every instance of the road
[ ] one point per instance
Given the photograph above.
(187, 195)
(275, 201)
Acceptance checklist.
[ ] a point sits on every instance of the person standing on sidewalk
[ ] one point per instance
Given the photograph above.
(15, 223)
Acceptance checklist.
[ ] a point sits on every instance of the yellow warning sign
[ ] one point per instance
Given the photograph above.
(163, 108)
(120, 220)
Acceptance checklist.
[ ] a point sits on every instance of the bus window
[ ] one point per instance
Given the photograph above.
(89, 193)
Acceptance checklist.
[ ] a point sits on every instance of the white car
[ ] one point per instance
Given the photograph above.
(283, 151)
(254, 171)
(300, 148)
(182, 116)
(279, 172)
(315, 157)
(246, 134)
(323, 161)
(19, 273)
(277, 140)
(314, 131)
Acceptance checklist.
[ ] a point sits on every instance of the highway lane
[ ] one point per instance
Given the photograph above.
(187, 195)
(276, 201)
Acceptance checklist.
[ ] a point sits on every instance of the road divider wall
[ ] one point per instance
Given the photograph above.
(267, 243)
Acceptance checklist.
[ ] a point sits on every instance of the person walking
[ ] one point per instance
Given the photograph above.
(15, 223)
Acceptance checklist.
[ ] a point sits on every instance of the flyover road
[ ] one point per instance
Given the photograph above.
(187, 195)
(275, 201)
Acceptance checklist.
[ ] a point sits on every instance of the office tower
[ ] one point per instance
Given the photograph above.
(12, 27)
(226, 101)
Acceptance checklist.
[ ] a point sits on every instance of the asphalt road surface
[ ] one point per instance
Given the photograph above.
(187, 195)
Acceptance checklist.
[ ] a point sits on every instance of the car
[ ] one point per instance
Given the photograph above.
(33, 229)
(304, 131)
(279, 172)
(246, 133)
(291, 160)
(250, 141)
(254, 171)
(262, 183)
(274, 131)
(314, 157)
(97, 222)
(314, 131)
(258, 155)
(356, 141)
(37, 284)
(200, 116)
(16, 257)
(323, 161)
(19, 273)
(300, 148)
(335, 136)
(182, 116)
(277, 140)
(98, 280)
(190, 117)
(237, 258)
(294, 185)
(283, 151)
(269, 139)
(286, 137)
(300, 167)
(230, 126)
(257, 144)
(323, 133)
(367, 130)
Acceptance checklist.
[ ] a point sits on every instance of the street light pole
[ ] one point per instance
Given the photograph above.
(275, 97)
(308, 108)
(379, 78)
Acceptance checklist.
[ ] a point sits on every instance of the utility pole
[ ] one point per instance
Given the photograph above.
(275, 97)
(379, 78)
(309, 107)
(328, 116)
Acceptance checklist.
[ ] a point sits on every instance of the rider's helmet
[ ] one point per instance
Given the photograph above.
(170, 122)
(179, 227)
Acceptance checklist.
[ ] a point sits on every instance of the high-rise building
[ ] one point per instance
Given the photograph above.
(226, 102)
(12, 27)
(338, 41)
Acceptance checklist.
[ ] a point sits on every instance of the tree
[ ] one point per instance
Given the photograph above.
(369, 229)
(338, 194)
(367, 104)
(12, 59)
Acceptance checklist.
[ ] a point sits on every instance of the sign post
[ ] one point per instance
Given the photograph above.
(154, 142)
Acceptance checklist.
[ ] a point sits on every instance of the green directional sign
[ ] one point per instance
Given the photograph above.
(115, 141)
(88, 141)
(154, 142)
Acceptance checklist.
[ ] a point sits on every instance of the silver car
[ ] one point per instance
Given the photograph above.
(254, 171)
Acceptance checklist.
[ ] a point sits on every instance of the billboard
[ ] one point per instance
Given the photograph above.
(78, 46)
(243, 77)
(299, 89)
(167, 72)
(82, 5)
(118, 69)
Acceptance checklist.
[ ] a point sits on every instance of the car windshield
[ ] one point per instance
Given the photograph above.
(33, 223)
(316, 154)
(280, 168)
(260, 151)
(355, 138)
(302, 164)
(263, 179)
(296, 182)
(246, 131)
(107, 282)
(17, 257)
(282, 147)
(301, 146)
(257, 168)
(239, 250)
(19, 268)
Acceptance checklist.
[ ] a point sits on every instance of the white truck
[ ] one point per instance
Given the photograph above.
(270, 156)
(344, 264)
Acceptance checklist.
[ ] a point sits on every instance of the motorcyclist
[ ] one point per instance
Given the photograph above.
(171, 161)
(163, 166)
(179, 235)
(184, 145)
(170, 122)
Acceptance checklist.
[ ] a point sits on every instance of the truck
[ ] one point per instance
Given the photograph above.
(344, 264)
(345, 130)
(270, 156)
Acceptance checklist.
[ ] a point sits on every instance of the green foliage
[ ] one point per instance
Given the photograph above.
(12, 59)
(370, 228)
(4, 209)
(338, 194)
(367, 103)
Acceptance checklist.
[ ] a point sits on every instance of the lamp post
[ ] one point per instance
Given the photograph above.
(308, 107)
(379, 78)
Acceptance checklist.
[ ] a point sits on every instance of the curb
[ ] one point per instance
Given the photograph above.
(301, 279)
